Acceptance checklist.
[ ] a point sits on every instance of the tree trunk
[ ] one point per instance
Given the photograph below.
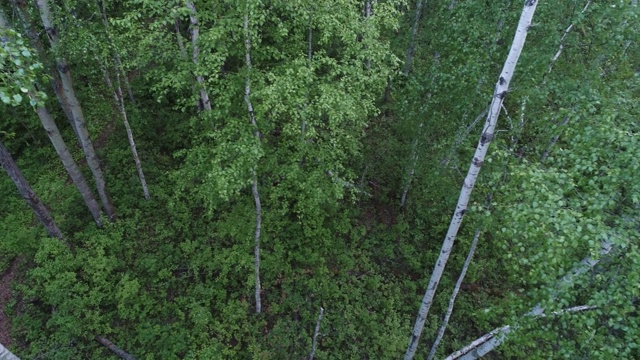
(76, 109)
(454, 294)
(412, 41)
(39, 209)
(5, 354)
(254, 186)
(69, 163)
(195, 31)
(119, 99)
(116, 350)
(502, 86)
(314, 343)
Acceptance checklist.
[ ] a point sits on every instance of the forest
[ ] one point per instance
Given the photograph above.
(319, 179)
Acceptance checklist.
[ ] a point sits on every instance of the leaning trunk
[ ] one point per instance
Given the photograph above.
(5, 354)
(25, 190)
(502, 86)
(76, 109)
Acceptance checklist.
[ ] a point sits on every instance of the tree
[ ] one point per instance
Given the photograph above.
(499, 94)
(39, 209)
(76, 109)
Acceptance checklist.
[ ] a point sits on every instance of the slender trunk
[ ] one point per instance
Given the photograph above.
(76, 109)
(116, 56)
(5, 354)
(454, 294)
(314, 343)
(412, 41)
(495, 338)
(25, 190)
(254, 186)
(489, 341)
(412, 171)
(183, 51)
(114, 349)
(566, 32)
(69, 163)
(502, 86)
(119, 100)
(195, 31)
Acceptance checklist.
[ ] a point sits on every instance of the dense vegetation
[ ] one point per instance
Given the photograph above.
(304, 158)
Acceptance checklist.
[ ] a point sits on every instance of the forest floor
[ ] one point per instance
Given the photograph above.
(5, 296)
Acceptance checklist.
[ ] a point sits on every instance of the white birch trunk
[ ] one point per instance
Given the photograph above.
(183, 51)
(195, 32)
(454, 294)
(39, 209)
(502, 86)
(254, 185)
(119, 99)
(314, 343)
(76, 109)
(5, 354)
(564, 36)
(69, 163)
(495, 338)
(412, 40)
(114, 349)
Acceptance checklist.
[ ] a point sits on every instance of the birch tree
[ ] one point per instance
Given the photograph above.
(412, 40)
(254, 184)
(26, 85)
(195, 32)
(5, 354)
(27, 193)
(76, 109)
(500, 92)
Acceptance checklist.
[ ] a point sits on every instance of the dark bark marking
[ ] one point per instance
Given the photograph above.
(502, 95)
(484, 139)
(502, 80)
(477, 162)
(530, 2)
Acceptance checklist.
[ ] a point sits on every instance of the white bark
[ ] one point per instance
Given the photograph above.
(502, 86)
(119, 99)
(76, 109)
(5, 354)
(566, 32)
(114, 349)
(195, 32)
(495, 338)
(486, 343)
(39, 209)
(254, 186)
(452, 300)
(314, 344)
(183, 51)
(412, 41)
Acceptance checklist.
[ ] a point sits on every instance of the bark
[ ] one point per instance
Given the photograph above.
(486, 343)
(56, 84)
(553, 141)
(5, 354)
(412, 41)
(452, 300)
(116, 350)
(314, 344)
(119, 100)
(254, 186)
(69, 163)
(195, 31)
(183, 51)
(27, 193)
(495, 338)
(502, 86)
(76, 109)
(564, 36)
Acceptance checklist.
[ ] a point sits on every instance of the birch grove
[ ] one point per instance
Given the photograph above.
(76, 110)
(502, 86)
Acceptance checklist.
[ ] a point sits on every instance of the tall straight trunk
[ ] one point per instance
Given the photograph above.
(502, 86)
(69, 163)
(254, 185)
(314, 343)
(412, 40)
(5, 354)
(76, 109)
(195, 31)
(183, 51)
(27, 193)
(119, 100)
(114, 349)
